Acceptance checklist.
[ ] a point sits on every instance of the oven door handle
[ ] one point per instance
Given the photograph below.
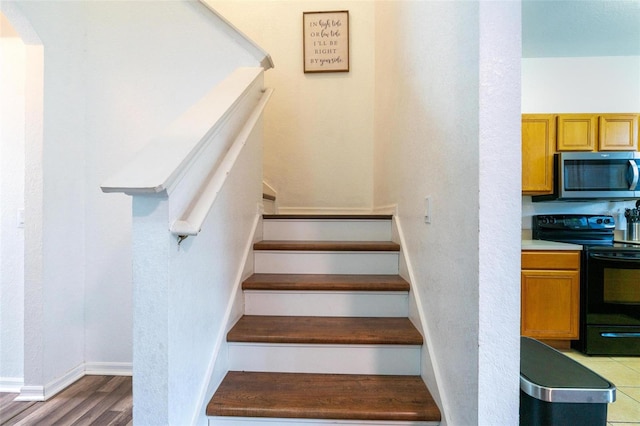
(613, 258)
(635, 175)
(620, 335)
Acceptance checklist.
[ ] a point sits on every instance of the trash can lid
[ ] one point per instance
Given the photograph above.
(550, 375)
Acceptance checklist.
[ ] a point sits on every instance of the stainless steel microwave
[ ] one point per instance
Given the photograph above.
(582, 176)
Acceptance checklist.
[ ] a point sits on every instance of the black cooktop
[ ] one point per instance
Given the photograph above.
(586, 230)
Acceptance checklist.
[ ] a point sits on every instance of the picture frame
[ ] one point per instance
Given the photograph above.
(326, 41)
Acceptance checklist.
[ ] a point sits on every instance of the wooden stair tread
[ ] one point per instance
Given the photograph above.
(326, 245)
(325, 330)
(328, 216)
(323, 396)
(325, 282)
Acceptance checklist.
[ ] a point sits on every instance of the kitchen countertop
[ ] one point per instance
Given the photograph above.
(548, 245)
(635, 242)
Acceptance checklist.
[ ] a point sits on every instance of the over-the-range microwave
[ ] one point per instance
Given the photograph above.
(582, 176)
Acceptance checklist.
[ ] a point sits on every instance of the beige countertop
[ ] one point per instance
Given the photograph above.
(548, 245)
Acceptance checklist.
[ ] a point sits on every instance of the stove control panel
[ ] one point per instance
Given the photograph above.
(573, 222)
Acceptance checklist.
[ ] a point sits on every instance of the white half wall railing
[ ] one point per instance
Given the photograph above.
(161, 164)
(202, 175)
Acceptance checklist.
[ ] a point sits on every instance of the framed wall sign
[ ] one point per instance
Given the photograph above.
(326, 41)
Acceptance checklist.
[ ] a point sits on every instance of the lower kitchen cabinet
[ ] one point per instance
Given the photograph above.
(550, 294)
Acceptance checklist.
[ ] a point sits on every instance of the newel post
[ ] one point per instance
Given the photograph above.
(150, 255)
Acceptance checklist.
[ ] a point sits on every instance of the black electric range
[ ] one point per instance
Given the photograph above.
(609, 281)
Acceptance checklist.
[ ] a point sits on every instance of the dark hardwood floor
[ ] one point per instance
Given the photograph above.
(92, 400)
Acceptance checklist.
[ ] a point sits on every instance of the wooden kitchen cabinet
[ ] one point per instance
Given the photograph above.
(550, 294)
(597, 132)
(577, 132)
(538, 147)
(618, 132)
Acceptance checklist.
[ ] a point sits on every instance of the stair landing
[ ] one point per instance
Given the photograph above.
(324, 396)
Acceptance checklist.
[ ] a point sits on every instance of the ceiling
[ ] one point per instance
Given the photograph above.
(580, 28)
(557, 28)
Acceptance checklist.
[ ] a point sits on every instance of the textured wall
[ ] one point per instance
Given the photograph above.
(12, 145)
(499, 213)
(319, 127)
(116, 73)
(437, 85)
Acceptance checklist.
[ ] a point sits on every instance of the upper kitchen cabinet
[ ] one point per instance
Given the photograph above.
(597, 132)
(618, 132)
(538, 143)
(577, 132)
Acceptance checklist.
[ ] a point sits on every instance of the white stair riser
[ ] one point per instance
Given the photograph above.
(325, 303)
(326, 359)
(252, 421)
(327, 230)
(314, 262)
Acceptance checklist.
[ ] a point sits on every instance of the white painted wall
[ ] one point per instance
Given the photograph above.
(579, 84)
(499, 210)
(319, 127)
(585, 84)
(108, 90)
(447, 102)
(12, 146)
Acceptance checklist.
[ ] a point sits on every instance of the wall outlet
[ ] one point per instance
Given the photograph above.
(427, 210)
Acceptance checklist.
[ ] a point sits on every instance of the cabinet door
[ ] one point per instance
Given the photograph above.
(577, 132)
(538, 142)
(618, 132)
(550, 304)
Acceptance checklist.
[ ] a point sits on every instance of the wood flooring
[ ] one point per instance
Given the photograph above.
(92, 400)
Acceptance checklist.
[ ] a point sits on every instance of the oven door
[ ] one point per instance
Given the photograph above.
(612, 317)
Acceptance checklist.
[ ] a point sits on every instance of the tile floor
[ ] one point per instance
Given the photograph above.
(624, 372)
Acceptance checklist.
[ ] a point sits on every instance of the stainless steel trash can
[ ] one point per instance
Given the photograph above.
(556, 390)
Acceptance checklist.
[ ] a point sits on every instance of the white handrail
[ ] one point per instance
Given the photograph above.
(192, 219)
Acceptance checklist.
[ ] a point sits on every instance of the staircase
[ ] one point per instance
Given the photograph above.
(325, 338)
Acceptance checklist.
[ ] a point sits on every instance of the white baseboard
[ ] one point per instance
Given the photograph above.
(391, 209)
(408, 273)
(31, 393)
(108, 369)
(218, 363)
(42, 393)
(11, 384)
(323, 210)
